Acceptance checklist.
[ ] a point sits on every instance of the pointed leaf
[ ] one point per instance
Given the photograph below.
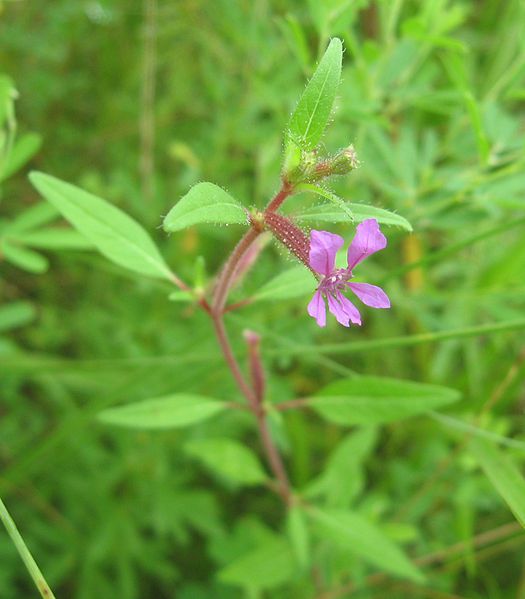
(205, 203)
(23, 150)
(312, 112)
(503, 474)
(299, 535)
(170, 411)
(32, 217)
(339, 204)
(376, 400)
(53, 238)
(23, 258)
(228, 458)
(111, 231)
(353, 532)
(340, 211)
(16, 314)
(268, 566)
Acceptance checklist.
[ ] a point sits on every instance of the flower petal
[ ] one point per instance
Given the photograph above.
(338, 311)
(323, 248)
(368, 239)
(371, 295)
(317, 309)
(351, 311)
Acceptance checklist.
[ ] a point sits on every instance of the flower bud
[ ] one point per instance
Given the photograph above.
(344, 162)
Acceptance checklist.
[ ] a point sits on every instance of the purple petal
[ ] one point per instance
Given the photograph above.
(317, 309)
(351, 311)
(368, 239)
(370, 295)
(338, 311)
(323, 248)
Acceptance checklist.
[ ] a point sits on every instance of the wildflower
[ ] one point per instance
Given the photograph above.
(323, 248)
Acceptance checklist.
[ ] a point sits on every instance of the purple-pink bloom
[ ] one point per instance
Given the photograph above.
(323, 248)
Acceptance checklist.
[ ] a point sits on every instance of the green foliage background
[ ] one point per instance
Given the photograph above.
(432, 97)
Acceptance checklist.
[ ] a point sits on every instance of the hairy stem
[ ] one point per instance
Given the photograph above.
(284, 192)
(228, 272)
(216, 311)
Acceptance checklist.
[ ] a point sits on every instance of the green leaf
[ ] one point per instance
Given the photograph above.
(53, 238)
(205, 203)
(16, 314)
(342, 477)
(23, 258)
(8, 94)
(266, 567)
(228, 458)
(334, 213)
(294, 282)
(298, 534)
(354, 533)
(115, 234)
(312, 112)
(170, 411)
(181, 296)
(503, 474)
(23, 150)
(471, 429)
(35, 216)
(376, 400)
(338, 202)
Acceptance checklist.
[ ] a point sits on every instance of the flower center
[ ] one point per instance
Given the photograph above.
(335, 281)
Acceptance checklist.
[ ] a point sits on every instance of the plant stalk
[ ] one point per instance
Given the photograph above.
(255, 401)
(25, 554)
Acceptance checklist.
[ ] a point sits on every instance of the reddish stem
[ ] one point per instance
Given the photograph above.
(284, 192)
(228, 272)
(272, 453)
(224, 342)
(216, 311)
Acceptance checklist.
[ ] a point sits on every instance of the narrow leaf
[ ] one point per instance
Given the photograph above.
(205, 203)
(298, 533)
(24, 258)
(32, 217)
(334, 212)
(354, 533)
(265, 567)
(170, 411)
(23, 150)
(53, 238)
(229, 459)
(503, 474)
(16, 314)
(342, 477)
(115, 234)
(375, 400)
(312, 112)
(338, 202)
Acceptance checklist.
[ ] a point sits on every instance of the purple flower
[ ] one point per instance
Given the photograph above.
(323, 248)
